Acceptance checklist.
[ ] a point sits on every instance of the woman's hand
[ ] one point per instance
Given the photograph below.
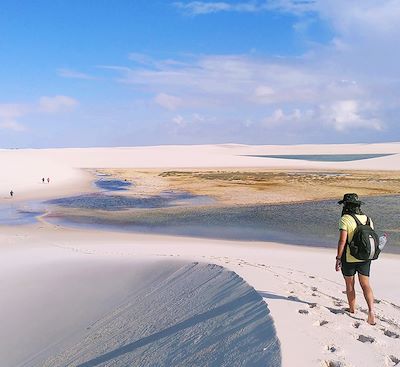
(338, 264)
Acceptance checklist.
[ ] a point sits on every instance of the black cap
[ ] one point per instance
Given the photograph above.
(350, 198)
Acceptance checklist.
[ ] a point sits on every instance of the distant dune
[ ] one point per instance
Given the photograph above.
(23, 169)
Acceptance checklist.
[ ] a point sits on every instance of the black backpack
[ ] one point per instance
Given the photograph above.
(365, 242)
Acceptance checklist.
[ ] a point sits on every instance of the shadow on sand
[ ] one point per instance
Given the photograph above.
(201, 315)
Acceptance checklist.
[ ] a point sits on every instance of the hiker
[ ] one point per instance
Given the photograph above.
(43, 179)
(348, 263)
(11, 193)
(48, 180)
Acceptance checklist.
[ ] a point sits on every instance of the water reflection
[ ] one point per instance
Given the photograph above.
(323, 157)
(310, 223)
(99, 201)
(113, 185)
(19, 213)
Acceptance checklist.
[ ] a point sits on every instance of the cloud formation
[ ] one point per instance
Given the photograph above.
(311, 91)
(56, 104)
(73, 74)
(11, 112)
(202, 7)
(167, 101)
(346, 86)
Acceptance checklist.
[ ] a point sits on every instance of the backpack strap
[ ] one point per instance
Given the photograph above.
(357, 220)
(368, 223)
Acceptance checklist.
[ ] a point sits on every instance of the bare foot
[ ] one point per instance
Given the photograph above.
(371, 318)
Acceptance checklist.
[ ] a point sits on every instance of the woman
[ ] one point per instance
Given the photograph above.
(349, 264)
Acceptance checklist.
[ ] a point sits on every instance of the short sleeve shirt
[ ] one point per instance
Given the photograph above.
(348, 224)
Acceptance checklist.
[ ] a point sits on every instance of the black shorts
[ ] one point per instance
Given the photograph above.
(350, 269)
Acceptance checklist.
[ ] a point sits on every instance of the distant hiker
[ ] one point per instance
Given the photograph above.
(43, 179)
(48, 180)
(11, 193)
(351, 217)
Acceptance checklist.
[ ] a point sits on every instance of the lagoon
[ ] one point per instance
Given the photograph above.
(311, 223)
(323, 157)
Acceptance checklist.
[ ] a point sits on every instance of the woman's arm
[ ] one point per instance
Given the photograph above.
(340, 248)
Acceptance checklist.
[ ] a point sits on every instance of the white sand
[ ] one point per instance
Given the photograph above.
(23, 169)
(289, 279)
(65, 308)
(36, 270)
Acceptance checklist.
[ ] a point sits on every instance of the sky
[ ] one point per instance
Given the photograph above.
(82, 73)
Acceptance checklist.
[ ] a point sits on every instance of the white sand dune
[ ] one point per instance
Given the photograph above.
(23, 169)
(64, 308)
(303, 309)
(47, 299)
(200, 315)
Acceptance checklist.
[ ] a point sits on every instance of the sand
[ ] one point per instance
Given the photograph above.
(23, 169)
(252, 186)
(277, 304)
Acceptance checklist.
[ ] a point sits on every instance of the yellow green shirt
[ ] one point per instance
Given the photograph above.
(347, 223)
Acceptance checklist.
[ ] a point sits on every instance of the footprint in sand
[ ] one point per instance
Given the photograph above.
(395, 306)
(390, 334)
(312, 305)
(331, 348)
(366, 339)
(393, 361)
(303, 312)
(336, 311)
(334, 364)
(356, 325)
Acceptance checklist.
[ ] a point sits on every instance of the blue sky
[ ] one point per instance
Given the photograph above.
(124, 73)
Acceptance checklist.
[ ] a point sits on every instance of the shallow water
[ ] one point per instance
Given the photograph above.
(324, 157)
(99, 201)
(113, 185)
(19, 213)
(310, 223)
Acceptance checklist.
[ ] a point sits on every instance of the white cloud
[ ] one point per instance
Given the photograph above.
(193, 119)
(68, 73)
(280, 117)
(13, 110)
(168, 101)
(141, 58)
(215, 80)
(201, 7)
(12, 125)
(347, 115)
(9, 113)
(350, 82)
(57, 104)
(178, 120)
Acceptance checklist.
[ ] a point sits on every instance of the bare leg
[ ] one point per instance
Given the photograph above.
(369, 297)
(351, 293)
